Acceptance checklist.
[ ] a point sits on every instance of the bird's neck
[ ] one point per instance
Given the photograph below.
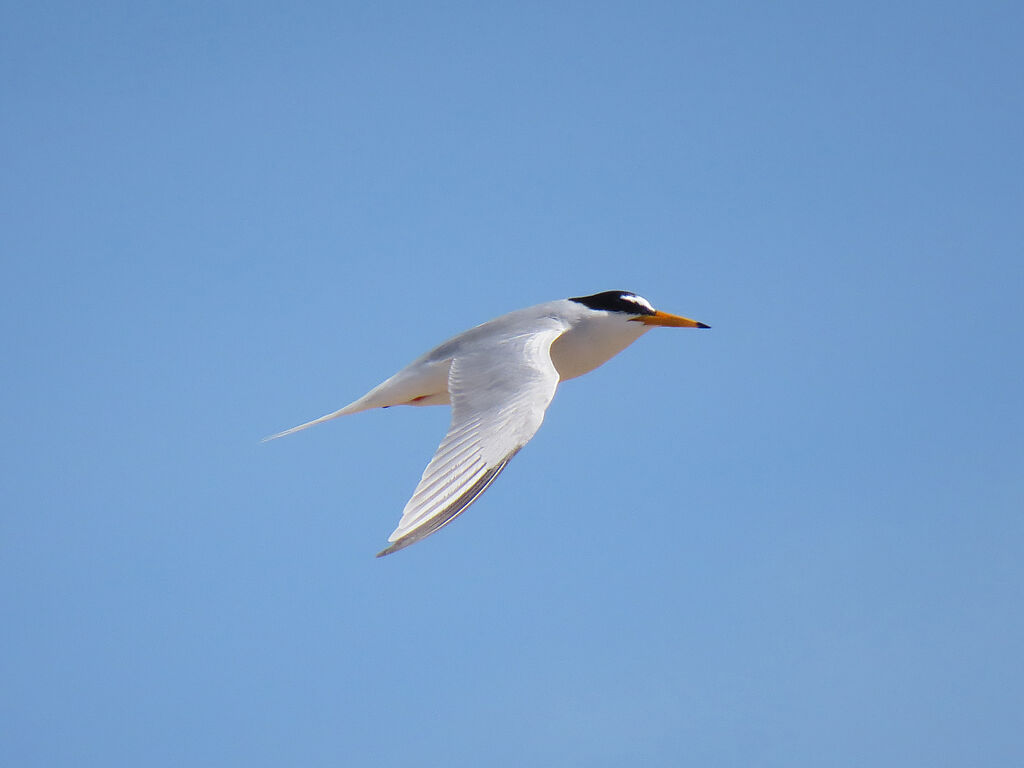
(591, 343)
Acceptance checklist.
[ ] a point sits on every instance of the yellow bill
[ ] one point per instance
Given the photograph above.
(669, 321)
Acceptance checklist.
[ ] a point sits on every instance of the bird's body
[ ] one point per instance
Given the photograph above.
(499, 378)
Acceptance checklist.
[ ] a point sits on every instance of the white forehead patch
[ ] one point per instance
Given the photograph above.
(638, 300)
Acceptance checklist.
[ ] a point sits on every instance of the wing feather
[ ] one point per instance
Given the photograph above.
(499, 394)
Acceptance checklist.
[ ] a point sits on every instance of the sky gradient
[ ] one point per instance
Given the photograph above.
(793, 540)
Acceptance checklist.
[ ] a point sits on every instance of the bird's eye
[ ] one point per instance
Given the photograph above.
(643, 304)
(617, 301)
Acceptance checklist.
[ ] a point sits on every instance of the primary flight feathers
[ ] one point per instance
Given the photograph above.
(499, 378)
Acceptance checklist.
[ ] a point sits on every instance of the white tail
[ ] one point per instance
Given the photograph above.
(423, 386)
(350, 408)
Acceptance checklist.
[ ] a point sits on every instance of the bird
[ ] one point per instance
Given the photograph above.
(499, 378)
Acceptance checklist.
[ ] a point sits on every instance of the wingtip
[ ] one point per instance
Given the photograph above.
(393, 548)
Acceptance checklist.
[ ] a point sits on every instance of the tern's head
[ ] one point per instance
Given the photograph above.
(632, 307)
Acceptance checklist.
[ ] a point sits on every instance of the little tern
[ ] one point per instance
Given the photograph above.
(499, 379)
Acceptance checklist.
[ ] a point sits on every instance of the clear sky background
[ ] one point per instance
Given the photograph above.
(793, 540)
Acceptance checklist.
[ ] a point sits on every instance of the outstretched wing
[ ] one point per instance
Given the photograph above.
(499, 394)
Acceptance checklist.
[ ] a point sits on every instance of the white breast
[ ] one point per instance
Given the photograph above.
(593, 341)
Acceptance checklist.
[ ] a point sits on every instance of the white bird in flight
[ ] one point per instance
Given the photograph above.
(499, 378)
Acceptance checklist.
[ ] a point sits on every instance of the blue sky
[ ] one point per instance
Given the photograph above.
(793, 540)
